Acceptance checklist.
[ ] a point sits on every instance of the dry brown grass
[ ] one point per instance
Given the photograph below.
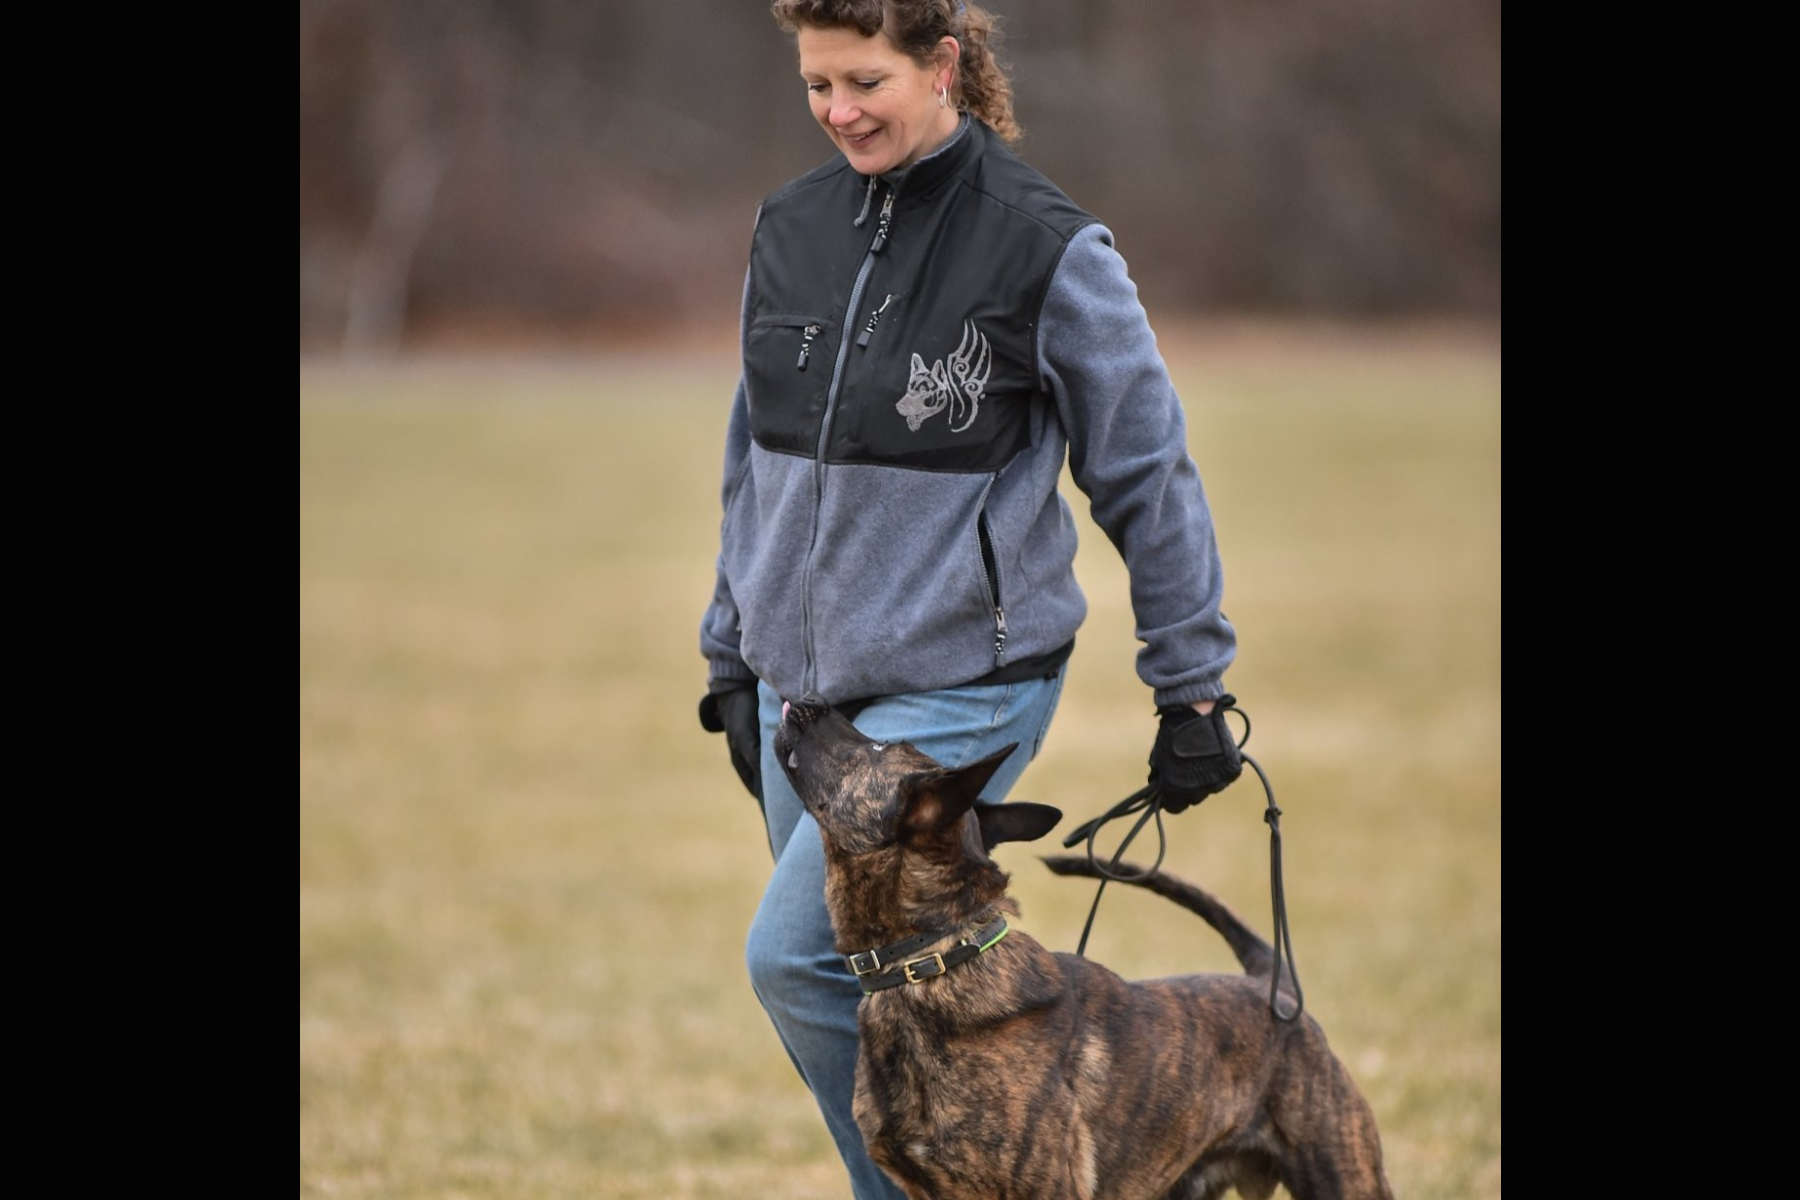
(525, 872)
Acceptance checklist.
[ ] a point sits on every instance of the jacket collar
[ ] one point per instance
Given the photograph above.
(921, 180)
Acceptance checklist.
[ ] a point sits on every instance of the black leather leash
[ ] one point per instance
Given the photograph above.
(1148, 801)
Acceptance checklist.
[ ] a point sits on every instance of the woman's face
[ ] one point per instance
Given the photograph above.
(877, 105)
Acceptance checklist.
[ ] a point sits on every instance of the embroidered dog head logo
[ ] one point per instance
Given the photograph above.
(956, 383)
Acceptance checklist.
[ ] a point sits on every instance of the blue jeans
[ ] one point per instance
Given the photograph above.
(801, 982)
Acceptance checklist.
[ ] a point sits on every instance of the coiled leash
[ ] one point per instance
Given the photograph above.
(1148, 801)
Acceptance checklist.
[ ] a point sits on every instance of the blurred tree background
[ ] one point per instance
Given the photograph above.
(572, 169)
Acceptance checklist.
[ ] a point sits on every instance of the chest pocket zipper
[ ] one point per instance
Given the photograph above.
(806, 341)
(868, 330)
(807, 328)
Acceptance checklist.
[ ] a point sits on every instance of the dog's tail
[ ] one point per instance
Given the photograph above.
(1256, 955)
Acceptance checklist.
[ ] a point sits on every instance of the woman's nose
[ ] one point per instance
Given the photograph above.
(843, 113)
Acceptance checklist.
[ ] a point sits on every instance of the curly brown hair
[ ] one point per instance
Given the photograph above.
(915, 27)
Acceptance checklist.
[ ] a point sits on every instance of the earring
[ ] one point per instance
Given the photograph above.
(943, 97)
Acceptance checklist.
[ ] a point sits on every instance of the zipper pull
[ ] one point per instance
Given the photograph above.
(999, 635)
(887, 217)
(868, 331)
(812, 331)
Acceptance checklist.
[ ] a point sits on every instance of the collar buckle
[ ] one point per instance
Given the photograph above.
(915, 969)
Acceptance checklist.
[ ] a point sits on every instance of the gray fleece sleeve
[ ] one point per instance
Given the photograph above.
(719, 624)
(1128, 452)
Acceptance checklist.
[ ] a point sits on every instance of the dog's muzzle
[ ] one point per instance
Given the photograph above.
(797, 716)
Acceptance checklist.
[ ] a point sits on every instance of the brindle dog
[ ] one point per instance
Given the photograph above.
(991, 1068)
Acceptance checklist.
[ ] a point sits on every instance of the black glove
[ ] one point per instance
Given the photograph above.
(733, 713)
(1194, 756)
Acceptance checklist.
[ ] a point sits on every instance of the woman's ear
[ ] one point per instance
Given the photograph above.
(949, 54)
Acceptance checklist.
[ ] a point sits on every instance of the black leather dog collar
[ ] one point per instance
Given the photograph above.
(876, 969)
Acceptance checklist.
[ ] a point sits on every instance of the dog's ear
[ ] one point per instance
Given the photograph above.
(935, 798)
(1016, 821)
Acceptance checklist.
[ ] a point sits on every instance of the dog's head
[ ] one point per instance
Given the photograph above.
(902, 832)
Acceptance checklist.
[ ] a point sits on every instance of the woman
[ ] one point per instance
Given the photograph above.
(929, 327)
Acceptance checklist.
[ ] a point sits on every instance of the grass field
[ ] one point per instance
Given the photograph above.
(526, 873)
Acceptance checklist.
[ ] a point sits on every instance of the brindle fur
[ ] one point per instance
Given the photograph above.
(1031, 1075)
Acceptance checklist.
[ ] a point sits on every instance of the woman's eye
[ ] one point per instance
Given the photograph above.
(816, 88)
(868, 85)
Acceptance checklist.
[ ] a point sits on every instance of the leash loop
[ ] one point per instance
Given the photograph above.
(1148, 800)
(1283, 939)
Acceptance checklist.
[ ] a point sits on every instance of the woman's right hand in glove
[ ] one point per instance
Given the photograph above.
(733, 713)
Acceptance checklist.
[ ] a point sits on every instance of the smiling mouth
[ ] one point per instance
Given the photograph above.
(860, 139)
